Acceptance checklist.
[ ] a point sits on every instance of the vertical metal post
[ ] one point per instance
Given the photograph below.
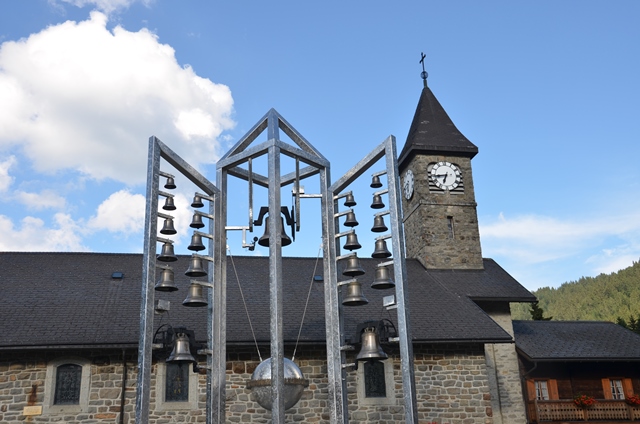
(143, 389)
(400, 275)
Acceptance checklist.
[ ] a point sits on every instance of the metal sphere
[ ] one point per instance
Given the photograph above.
(260, 384)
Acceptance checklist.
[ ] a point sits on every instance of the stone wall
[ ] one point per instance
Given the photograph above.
(451, 383)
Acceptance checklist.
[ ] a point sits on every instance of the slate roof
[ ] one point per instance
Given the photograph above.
(71, 300)
(433, 132)
(575, 341)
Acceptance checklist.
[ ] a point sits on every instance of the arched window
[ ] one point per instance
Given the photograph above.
(68, 384)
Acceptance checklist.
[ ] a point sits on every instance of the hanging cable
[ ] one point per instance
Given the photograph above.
(235, 271)
(306, 304)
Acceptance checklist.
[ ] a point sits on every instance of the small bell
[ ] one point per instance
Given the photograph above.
(197, 202)
(195, 268)
(375, 182)
(383, 279)
(377, 202)
(381, 250)
(352, 242)
(170, 183)
(371, 350)
(378, 225)
(196, 243)
(353, 267)
(181, 352)
(166, 283)
(167, 254)
(264, 240)
(196, 221)
(195, 297)
(354, 295)
(169, 205)
(350, 201)
(351, 220)
(168, 227)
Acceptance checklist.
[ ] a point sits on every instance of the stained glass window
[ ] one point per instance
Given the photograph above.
(374, 383)
(177, 382)
(68, 382)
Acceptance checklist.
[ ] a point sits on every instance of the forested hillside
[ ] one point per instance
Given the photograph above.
(602, 298)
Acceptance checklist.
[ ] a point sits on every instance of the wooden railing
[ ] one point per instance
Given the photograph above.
(566, 410)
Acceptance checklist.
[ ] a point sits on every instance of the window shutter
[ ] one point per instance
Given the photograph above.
(531, 389)
(627, 387)
(553, 389)
(606, 388)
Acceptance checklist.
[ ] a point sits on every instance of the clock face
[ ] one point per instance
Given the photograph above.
(446, 175)
(407, 184)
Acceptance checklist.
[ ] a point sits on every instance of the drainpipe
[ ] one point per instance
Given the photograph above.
(124, 386)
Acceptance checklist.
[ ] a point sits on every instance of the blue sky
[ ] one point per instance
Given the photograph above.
(547, 90)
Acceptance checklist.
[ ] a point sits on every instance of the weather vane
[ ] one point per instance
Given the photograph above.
(424, 73)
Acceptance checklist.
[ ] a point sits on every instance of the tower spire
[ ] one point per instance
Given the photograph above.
(424, 73)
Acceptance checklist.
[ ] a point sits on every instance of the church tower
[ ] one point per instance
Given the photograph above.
(439, 205)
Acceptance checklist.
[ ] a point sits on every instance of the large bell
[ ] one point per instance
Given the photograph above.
(197, 202)
(350, 201)
(351, 220)
(354, 295)
(195, 268)
(378, 224)
(181, 352)
(353, 267)
(166, 283)
(195, 297)
(352, 242)
(196, 243)
(375, 182)
(377, 202)
(383, 279)
(196, 221)
(167, 254)
(371, 350)
(381, 250)
(264, 240)
(170, 184)
(169, 204)
(168, 227)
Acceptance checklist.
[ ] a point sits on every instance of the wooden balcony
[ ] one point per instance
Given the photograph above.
(565, 411)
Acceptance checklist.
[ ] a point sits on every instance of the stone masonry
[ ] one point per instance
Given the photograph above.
(451, 382)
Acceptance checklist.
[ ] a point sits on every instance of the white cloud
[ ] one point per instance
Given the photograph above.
(44, 200)
(77, 96)
(5, 179)
(107, 6)
(34, 236)
(121, 212)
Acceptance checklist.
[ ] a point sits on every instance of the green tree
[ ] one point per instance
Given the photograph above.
(537, 313)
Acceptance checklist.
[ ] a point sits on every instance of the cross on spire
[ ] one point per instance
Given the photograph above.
(424, 73)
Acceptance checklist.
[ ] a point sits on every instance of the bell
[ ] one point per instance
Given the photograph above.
(197, 202)
(264, 240)
(351, 220)
(167, 255)
(381, 250)
(349, 201)
(353, 267)
(170, 183)
(169, 205)
(194, 296)
(195, 268)
(375, 182)
(377, 202)
(196, 243)
(181, 352)
(352, 242)
(383, 279)
(166, 283)
(371, 350)
(378, 225)
(196, 221)
(168, 227)
(354, 295)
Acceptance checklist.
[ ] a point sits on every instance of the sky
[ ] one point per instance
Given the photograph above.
(547, 90)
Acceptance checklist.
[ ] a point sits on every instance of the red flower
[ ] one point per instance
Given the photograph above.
(584, 401)
(633, 400)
